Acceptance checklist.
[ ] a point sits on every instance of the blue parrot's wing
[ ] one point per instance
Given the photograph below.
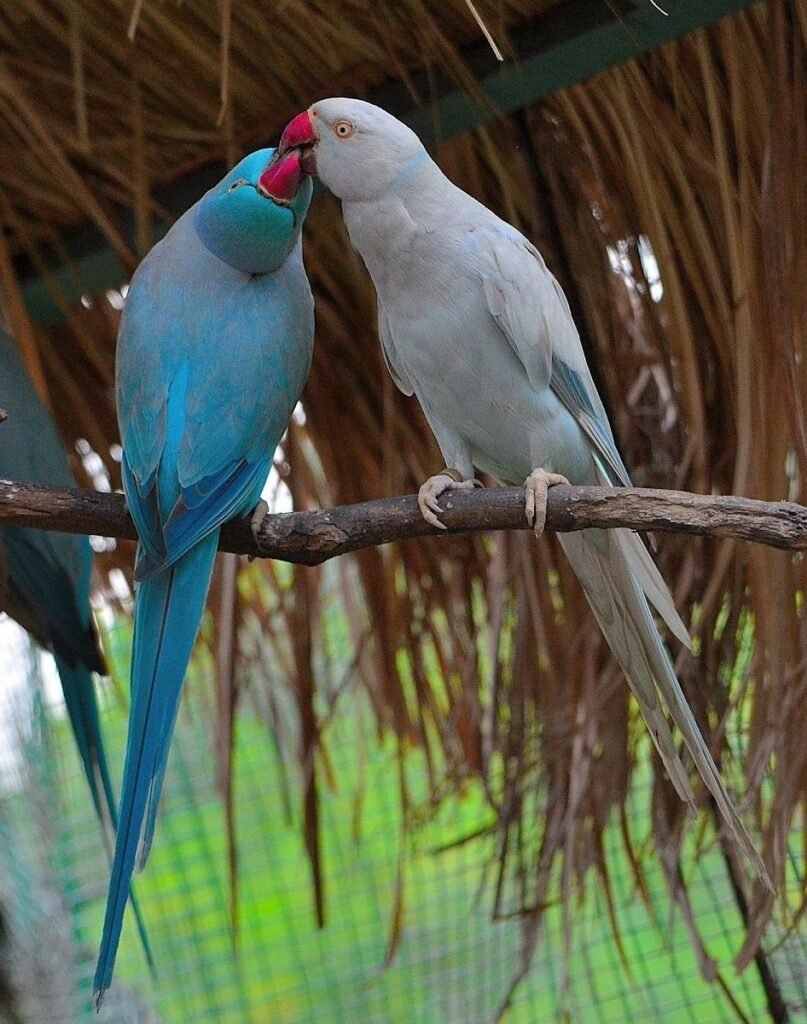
(144, 509)
(201, 508)
(199, 439)
(532, 312)
(205, 470)
(213, 500)
(213, 384)
(45, 587)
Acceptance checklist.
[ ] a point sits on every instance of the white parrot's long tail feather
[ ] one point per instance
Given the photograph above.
(606, 563)
(652, 583)
(645, 571)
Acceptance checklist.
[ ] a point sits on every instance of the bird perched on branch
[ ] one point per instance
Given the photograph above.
(473, 324)
(214, 348)
(45, 577)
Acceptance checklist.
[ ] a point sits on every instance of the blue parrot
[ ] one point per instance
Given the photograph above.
(45, 577)
(214, 348)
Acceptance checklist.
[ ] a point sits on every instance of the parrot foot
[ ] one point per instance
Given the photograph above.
(536, 486)
(259, 514)
(430, 491)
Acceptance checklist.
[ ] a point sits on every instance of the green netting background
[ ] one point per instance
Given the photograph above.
(452, 964)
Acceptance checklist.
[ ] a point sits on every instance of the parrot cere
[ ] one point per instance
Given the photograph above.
(45, 579)
(472, 323)
(214, 348)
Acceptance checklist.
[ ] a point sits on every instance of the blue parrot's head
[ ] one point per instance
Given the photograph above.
(252, 219)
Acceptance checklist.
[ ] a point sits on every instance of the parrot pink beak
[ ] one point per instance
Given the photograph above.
(282, 178)
(300, 134)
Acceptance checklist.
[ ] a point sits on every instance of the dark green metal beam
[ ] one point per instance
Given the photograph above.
(566, 45)
(579, 42)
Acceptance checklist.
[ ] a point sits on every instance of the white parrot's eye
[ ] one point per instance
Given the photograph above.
(343, 128)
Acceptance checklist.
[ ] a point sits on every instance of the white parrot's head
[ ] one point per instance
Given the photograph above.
(357, 149)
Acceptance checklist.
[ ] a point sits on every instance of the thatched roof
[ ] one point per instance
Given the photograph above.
(100, 103)
(667, 196)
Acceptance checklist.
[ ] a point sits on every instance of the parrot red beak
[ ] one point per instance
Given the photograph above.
(300, 134)
(282, 178)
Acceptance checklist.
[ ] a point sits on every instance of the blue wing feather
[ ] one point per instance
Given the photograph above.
(142, 502)
(200, 509)
(569, 386)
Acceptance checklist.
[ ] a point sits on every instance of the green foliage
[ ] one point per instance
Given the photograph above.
(452, 962)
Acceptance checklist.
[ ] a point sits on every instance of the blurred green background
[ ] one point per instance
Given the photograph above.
(408, 936)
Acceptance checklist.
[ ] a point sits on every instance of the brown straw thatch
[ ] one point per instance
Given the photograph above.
(668, 197)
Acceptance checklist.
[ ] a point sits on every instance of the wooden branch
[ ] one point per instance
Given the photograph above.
(309, 538)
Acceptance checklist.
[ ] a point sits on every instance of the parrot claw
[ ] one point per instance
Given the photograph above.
(431, 490)
(536, 486)
(260, 513)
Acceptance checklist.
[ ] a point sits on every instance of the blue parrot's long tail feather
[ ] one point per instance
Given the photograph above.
(155, 789)
(168, 611)
(82, 709)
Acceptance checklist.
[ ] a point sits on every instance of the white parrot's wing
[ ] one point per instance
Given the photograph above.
(391, 357)
(531, 310)
(519, 296)
(577, 392)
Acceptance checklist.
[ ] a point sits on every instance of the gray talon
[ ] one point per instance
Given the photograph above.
(536, 486)
(431, 490)
(260, 513)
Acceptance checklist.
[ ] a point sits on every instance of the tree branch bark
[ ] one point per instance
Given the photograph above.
(309, 538)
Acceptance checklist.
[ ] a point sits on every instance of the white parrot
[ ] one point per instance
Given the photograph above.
(473, 324)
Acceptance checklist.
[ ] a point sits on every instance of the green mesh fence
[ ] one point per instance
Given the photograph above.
(450, 964)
